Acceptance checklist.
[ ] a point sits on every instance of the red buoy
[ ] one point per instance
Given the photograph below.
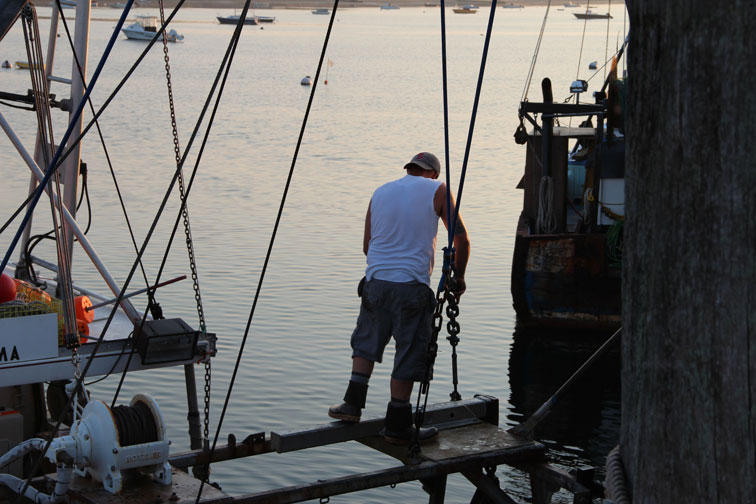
(7, 288)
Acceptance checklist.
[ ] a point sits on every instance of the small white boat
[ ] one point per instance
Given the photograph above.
(266, 19)
(145, 28)
(593, 65)
(7, 64)
(389, 6)
(466, 9)
(321, 11)
(306, 81)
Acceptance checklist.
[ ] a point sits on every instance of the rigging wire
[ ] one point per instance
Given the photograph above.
(529, 78)
(606, 45)
(53, 165)
(52, 168)
(225, 64)
(425, 385)
(102, 142)
(275, 229)
(582, 40)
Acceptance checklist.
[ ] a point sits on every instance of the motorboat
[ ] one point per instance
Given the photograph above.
(321, 11)
(145, 28)
(266, 19)
(249, 20)
(389, 6)
(512, 6)
(467, 9)
(591, 15)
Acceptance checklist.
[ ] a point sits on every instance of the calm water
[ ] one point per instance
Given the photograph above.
(382, 104)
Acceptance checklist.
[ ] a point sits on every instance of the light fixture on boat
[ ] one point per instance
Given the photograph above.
(578, 86)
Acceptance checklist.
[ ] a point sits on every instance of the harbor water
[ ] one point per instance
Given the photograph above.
(381, 105)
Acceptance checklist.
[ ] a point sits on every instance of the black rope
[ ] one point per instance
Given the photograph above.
(273, 234)
(223, 69)
(135, 424)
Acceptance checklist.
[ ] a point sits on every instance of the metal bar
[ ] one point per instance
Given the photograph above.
(436, 488)
(62, 80)
(336, 432)
(560, 108)
(488, 487)
(229, 451)
(136, 292)
(195, 427)
(71, 164)
(375, 479)
(114, 288)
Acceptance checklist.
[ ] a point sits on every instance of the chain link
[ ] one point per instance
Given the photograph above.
(187, 227)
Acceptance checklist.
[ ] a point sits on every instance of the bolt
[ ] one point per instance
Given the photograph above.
(115, 450)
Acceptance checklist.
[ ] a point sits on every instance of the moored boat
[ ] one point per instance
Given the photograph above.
(588, 14)
(466, 9)
(321, 12)
(566, 266)
(146, 27)
(249, 20)
(389, 6)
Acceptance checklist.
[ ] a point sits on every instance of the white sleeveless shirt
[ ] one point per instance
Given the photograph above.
(403, 228)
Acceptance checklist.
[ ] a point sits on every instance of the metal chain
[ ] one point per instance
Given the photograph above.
(187, 227)
(430, 355)
(452, 326)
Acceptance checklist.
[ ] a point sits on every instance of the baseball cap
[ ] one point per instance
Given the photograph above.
(426, 161)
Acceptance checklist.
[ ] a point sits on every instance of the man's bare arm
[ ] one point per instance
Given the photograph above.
(461, 239)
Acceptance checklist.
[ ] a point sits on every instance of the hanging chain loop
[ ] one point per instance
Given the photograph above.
(187, 230)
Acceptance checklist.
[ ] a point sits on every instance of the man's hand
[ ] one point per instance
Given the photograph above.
(461, 287)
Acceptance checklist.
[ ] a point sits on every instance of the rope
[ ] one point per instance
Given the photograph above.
(275, 227)
(135, 424)
(546, 220)
(52, 168)
(615, 483)
(529, 78)
(447, 280)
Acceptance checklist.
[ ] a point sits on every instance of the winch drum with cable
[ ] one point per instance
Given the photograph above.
(125, 437)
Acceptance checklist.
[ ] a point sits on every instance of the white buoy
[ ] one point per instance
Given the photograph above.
(306, 81)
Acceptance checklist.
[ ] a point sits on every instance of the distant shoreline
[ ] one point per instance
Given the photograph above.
(312, 4)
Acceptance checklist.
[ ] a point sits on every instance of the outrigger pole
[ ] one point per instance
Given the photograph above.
(77, 231)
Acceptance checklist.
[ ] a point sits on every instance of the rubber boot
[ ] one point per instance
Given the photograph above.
(354, 400)
(398, 428)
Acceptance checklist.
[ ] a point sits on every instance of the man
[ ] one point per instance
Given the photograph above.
(400, 242)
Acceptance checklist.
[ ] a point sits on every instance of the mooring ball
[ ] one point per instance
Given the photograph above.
(7, 288)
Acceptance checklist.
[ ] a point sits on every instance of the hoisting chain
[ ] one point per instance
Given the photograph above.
(452, 326)
(443, 294)
(187, 229)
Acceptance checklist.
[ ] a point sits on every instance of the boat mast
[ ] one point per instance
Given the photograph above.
(72, 162)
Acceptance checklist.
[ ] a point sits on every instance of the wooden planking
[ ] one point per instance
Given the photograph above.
(442, 414)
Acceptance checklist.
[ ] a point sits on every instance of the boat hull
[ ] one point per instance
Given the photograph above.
(249, 20)
(565, 281)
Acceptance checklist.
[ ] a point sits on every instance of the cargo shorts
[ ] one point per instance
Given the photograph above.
(401, 310)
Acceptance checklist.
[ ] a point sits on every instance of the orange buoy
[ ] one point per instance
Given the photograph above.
(7, 288)
(81, 303)
(83, 328)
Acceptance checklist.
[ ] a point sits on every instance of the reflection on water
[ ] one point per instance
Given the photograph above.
(584, 425)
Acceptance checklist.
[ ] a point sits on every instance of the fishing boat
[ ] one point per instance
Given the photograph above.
(466, 9)
(588, 14)
(232, 20)
(58, 334)
(566, 266)
(146, 27)
(321, 12)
